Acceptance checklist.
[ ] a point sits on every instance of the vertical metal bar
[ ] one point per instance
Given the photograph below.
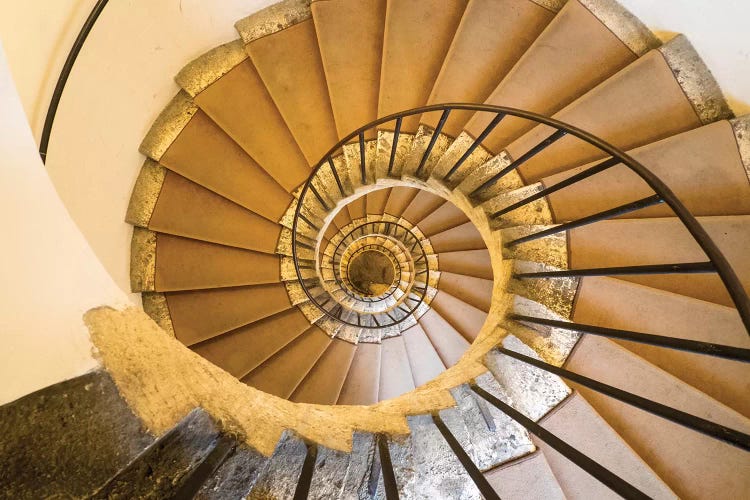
(336, 176)
(596, 470)
(320, 198)
(224, 447)
(607, 214)
(389, 478)
(433, 140)
(484, 487)
(521, 160)
(305, 476)
(487, 130)
(698, 424)
(362, 165)
(394, 147)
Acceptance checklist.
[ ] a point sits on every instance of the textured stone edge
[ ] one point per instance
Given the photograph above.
(741, 128)
(142, 260)
(206, 69)
(552, 5)
(156, 306)
(623, 24)
(272, 19)
(145, 193)
(696, 80)
(168, 126)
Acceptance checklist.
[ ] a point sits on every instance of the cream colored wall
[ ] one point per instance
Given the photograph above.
(50, 276)
(719, 31)
(122, 79)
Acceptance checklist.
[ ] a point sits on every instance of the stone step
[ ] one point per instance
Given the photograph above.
(424, 360)
(362, 383)
(465, 318)
(322, 384)
(395, 370)
(511, 480)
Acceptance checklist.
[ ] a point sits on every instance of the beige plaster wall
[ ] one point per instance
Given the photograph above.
(50, 276)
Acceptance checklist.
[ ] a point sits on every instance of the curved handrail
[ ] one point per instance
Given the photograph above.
(65, 74)
(715, 256)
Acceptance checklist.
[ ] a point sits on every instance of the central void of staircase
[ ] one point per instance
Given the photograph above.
(297, 226)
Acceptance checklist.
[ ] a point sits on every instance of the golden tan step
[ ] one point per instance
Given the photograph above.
(469, 289)
(692, 464)
(198, 315)
(350, 37)
(423, 358)
(376, 201)
(184, 139)
(511, 480)
(289, 63)
(423, 204)
(643, 103)
(618, 304)
(577, 423)
(162, 262)
(576, 51)
(474, 263)
(441, 219)
(633, 242)
(363, 380)
(283, 372)
(395, 370)
(702, 167)
(449, 343)
(465, 318)
(166, 202)
(463, 237)
(342, 218)
(323, 382)
(243, 349)
(417, 38)
(226, 86)
(492, 36)
(357, 208)
(399, 200)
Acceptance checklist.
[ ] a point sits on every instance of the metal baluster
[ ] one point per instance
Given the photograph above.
(487, 130)
(394, 147)
(362, 157)
(433, 140)
(389, 477)
(687, 268)
(305, 476)
(336, 176)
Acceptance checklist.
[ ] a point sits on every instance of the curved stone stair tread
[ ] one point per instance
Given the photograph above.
(243, 349)
(205, 154)
(617, 304)
(423, 358)
(164, 467)
(289, 64)
(458, 238)
(447, 341)
(350, 38)
(357, 208)
(322, 384)
(284, 371)
(702, 167)
(492, 36)
(475, 263)
(181, 207)
(416, 39)
(395, 371)
(577, 423)
(476, 292)
(268, 140)
(230, 308)
(187, 264)
(465, 318)
(361, 386)
(632, 242)
(236, 476)
(281, 473)
(423, 204)
(574, 53)
(511, 481)
(376, 201)
(343, 475)
(399, 200)
(445, 217)
(649, 102)
(692, 464)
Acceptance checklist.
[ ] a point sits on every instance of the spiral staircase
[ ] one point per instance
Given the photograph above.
(500, 246)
